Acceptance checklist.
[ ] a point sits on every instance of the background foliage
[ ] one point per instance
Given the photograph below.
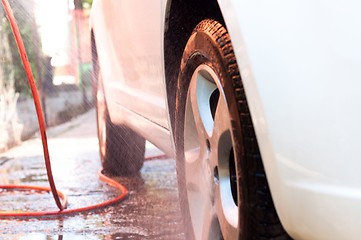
(24, 14)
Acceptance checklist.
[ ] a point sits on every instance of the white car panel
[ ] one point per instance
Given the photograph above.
(134, 41)
(300, 62)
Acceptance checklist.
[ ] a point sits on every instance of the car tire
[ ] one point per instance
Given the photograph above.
(121, 149)
(223, 187)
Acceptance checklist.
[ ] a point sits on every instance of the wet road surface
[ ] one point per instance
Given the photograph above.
(151, 210)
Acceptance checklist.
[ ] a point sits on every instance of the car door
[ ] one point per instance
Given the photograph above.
(135, 72)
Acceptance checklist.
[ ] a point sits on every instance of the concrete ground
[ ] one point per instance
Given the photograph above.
(151, 211)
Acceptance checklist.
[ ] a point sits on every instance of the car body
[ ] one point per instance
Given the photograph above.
(300, 64)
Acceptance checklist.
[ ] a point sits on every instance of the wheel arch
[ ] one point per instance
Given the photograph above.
(181, 18)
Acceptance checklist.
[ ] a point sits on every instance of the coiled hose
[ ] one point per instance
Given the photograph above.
(59, 198)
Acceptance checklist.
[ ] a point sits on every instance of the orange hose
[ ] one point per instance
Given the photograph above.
(39, 111)
(121, 196)
(57, 195)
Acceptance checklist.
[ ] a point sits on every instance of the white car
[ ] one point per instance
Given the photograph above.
(258, 101)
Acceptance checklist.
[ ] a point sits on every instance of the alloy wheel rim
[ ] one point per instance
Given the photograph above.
(209, 158)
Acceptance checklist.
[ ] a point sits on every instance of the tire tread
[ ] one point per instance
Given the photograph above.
(264, 223)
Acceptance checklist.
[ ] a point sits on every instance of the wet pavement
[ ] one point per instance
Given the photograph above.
(151, 210)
